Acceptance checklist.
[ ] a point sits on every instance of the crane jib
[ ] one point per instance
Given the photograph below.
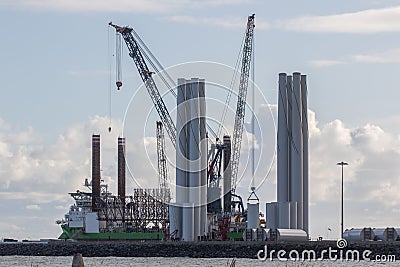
(241, 103)
(145, 74)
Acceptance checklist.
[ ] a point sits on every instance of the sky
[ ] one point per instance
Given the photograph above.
(57, 63)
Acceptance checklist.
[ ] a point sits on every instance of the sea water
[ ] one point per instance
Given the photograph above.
(40, 261)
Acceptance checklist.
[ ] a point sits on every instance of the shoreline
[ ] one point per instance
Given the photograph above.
(209, 249)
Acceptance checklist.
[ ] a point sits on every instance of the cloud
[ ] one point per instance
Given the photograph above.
(121, 6)
(363, 22)
(371, 179)
(326, 63)
(35, 171)
(370, 151)
(32, 207)
(224, 22)
(47, 172)
(388, 56)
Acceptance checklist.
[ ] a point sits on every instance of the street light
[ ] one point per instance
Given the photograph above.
(341, 219)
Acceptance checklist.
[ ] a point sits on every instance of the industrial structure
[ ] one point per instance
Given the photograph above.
(197, 181)
(291, 209)
(100, 215)
(162, 164)
(206, 204)
(191, 160)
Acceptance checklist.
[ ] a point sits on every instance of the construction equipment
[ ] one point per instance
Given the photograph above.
(146, 75)
(214, 168)
(241, 103)
(162, 162)
(118, 57)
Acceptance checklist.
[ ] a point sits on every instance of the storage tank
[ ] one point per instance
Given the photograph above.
(385, 234)
(248, 234)
(287, 235)
(358, 234)
(260, 234)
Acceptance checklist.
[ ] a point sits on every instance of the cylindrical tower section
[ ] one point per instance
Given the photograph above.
(227, 175)
(175, 220)
(293, 214)
(289, 93)
(121, 168)
(188, 219)
(181, 143)
(181, 154)
(282, 142)
(304, 124)
(194, 155)
(297, 150)
(203, 158)
(95, 172)
(253, 210)
(272, 215)
(283, 215)
(121, 174)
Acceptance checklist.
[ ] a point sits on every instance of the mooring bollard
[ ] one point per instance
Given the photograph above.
(77, 261)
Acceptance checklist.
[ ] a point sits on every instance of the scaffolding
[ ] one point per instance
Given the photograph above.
(145, 211)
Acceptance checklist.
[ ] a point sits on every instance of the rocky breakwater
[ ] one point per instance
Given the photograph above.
(210, 249)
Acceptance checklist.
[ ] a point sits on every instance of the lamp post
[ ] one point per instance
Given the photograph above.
(342, 163)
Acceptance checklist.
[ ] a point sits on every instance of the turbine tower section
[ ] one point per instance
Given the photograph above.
(282, 141)
(296, 163)
(304, 123)
(95, 172)
(191, 159)
(292, 155)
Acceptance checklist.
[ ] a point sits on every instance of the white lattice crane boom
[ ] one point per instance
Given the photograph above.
(241, 103)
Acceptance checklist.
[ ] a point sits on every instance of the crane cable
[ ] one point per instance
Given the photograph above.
(155, 64)
(118, 60)
(253, 117)
(109, 55)
(228, 97)
(151, 57)
(165, 77)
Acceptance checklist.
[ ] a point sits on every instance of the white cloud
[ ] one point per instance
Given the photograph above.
(371, 179)
(224, 22)
(388, 56)
(326, 63)
(39, 197)
(363, 22)
(32, 207)
(122, 6)
(46, 173)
